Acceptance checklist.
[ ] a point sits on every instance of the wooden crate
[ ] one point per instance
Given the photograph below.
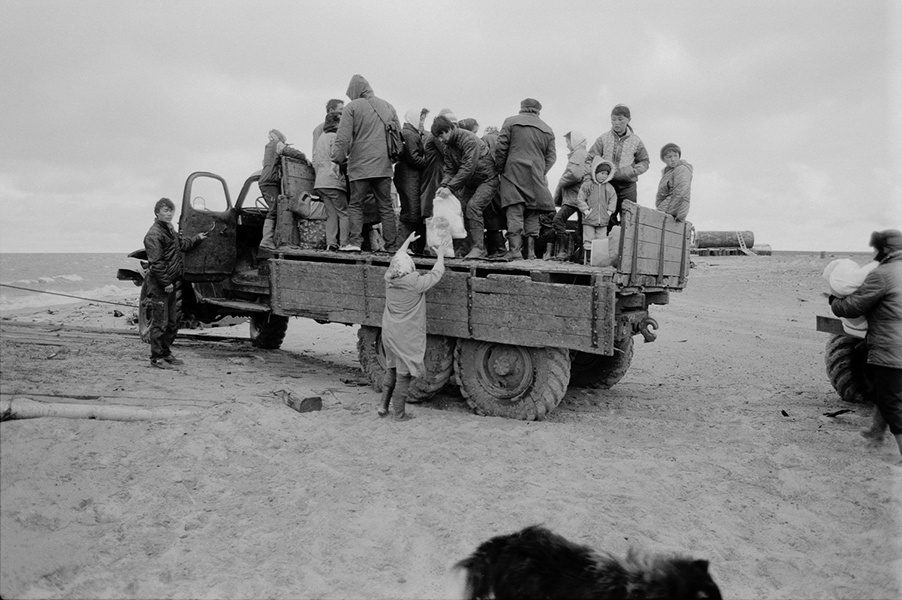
(654, 249)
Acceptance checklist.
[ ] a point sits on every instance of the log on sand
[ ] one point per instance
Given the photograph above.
(724, 239)
(21, 407)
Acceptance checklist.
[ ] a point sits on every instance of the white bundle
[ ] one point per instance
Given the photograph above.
(844, 276)
(449, 208)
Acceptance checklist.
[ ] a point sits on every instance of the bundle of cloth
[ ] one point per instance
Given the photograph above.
(844, 276)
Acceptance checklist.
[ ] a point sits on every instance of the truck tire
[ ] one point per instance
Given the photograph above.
(511, 381)
(268, 330)
(599, 371)
(846, 360)
(145, 311)
(439, 361)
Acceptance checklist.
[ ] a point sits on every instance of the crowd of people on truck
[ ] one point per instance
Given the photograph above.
(499, 179)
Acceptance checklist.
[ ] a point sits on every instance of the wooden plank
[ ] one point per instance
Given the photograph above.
(523, 286)
(576, 325)
(534, 307)
(526, 337)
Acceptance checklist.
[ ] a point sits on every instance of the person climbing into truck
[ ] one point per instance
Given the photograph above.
(270, 181)
(404, 325)
(164, 247)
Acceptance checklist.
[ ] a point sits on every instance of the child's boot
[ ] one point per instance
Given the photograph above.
(388, 387)
(530, 247)
(399, 399)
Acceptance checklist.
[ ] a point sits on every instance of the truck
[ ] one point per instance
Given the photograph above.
(512, 335)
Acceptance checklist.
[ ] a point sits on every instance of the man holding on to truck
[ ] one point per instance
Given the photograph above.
(164, 248)
(404, 325)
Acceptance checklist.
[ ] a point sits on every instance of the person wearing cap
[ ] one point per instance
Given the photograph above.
(623, 148)
(404, 326)
(470, 176)
(880, 300)
(523, 156)
(270, 182)
(361, 144)
(568, 188)
(676, 179)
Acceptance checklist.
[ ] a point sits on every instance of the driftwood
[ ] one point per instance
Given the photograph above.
(21, 407)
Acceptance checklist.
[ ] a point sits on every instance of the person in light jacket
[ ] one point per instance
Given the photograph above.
(331, 186)
(880, 300)
(676, 180)
(360, 142)
(568, 188)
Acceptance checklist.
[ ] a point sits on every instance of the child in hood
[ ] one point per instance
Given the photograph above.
(597, 201)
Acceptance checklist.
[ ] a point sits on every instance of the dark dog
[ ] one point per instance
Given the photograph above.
(536, 563)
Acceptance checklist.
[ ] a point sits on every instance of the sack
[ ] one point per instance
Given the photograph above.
(449, 208)
(438, 231)
(394, 141)
(306, 206)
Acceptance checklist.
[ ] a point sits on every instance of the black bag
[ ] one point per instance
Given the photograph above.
(394, 141)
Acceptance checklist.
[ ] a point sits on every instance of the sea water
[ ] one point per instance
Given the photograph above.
(34, 280)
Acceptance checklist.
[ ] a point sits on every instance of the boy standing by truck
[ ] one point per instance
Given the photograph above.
(164, 247)
(404, 325)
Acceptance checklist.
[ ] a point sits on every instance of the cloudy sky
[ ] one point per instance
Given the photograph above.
(790, 111)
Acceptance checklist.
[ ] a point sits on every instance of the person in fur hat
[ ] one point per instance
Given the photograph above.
(404, 325)
(880, 300)
(597, 201)
(676, 179)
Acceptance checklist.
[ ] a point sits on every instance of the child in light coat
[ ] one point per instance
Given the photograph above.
(597, 201)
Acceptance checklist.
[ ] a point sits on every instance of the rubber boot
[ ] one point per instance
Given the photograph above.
(269, 227)
(549, 251)
(388, 387)
(515, 247)
(399, 399)
(530, 247)
(563, 255)
(876, 431)
(497, 244)
(478, 249)
(587, 256)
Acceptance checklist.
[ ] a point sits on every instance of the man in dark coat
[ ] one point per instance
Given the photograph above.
(880, 300)
(164, 247)
(470, 175)
(408, 170)
(523, 155)
(360, 142)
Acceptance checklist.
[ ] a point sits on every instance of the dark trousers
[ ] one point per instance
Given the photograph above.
(380, 187)
(560, 219)
(270, 195)
(164, 320)
(887, 395)
(522, 220)
(476, 201)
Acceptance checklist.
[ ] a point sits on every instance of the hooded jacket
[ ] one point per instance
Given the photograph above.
(523, 155)
(467, 161)
(568, 186)
(879, 299)
(327, 174)
(597, 200)
(360, 140)
(673, 190)
(164, 254)
(409, 168)
(626, 151)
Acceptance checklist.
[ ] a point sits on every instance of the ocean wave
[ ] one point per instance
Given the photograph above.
(73, 278)
(111, 292)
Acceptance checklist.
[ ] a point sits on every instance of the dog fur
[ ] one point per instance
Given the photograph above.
(536, 563)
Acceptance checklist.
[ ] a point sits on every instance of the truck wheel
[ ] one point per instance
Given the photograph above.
(846, 359)
(145, 311)
(511, 381)
(599, 371)
(268, 330)
(439, 361)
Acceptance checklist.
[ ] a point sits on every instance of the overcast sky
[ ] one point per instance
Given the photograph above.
(789, 111)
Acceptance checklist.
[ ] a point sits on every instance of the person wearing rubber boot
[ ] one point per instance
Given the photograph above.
(164, 247)
(270, 181)
(470, 175)
(880, 300)
(524, 154)
(567, 190)
(404, 325)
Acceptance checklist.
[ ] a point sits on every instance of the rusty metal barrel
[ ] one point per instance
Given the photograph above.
(724, 239)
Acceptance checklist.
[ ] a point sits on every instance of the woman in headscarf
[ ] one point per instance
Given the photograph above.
(404, 325)
(407, 172)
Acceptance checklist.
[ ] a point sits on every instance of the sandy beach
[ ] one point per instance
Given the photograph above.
(717, 443)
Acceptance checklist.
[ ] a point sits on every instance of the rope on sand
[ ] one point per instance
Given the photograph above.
(21, 407)
(67, 295)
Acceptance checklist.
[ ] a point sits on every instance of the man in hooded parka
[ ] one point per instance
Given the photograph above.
(360, 142)
(523, 155)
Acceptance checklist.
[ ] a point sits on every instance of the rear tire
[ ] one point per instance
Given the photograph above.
(599, 371)
(846, 360)
(439, 361)
(268, 331)
(516, 382)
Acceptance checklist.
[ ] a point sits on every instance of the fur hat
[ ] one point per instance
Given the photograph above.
(530, 104)
(621, 109)
(671, 146)
(886, 241)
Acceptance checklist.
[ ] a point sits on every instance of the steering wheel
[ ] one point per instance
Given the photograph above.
(260, 202)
